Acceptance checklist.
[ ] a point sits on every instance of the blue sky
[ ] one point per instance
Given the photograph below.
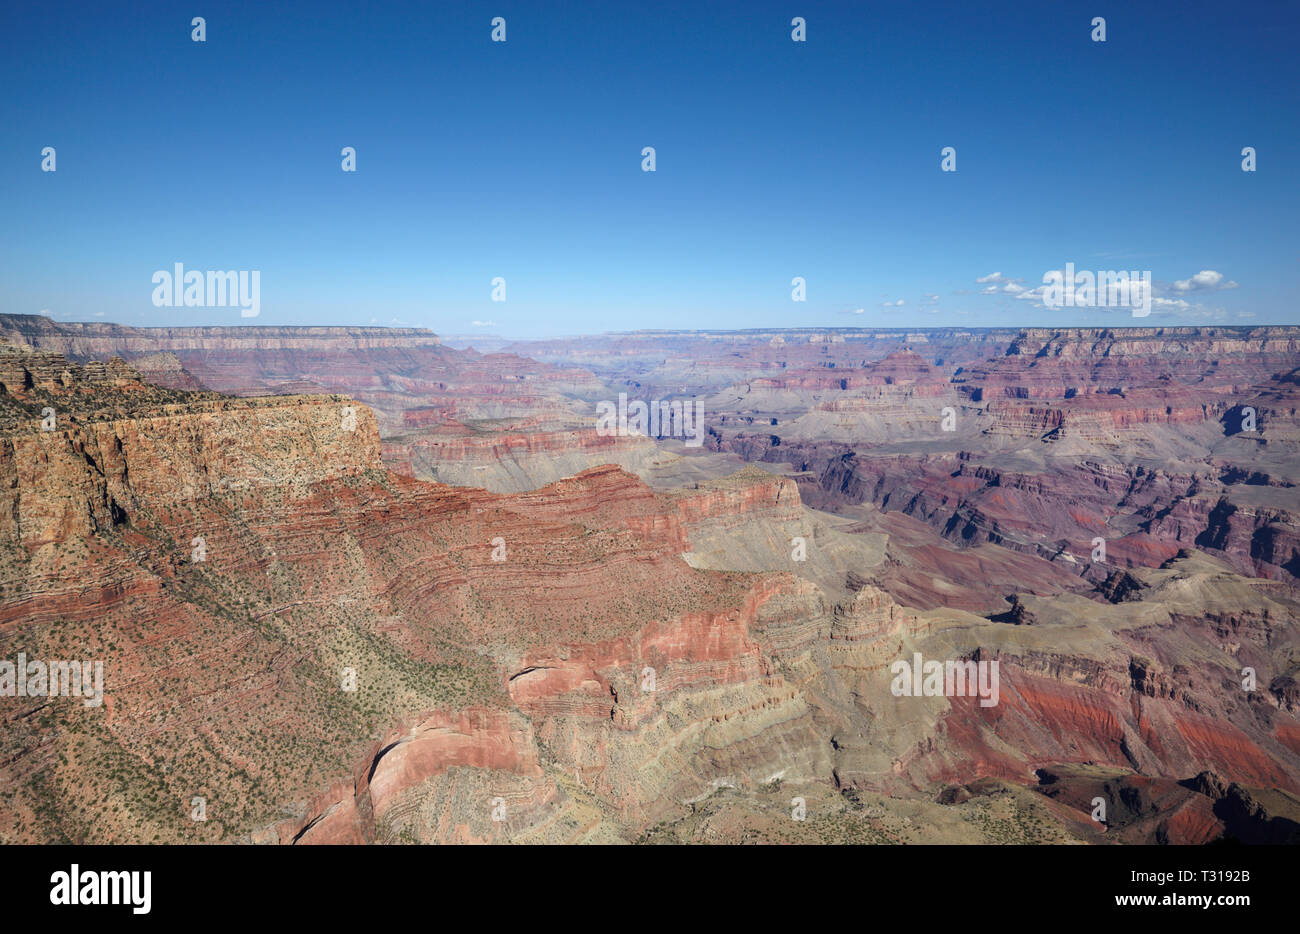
(775, 159)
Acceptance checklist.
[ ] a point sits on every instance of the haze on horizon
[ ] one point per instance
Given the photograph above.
(775, 159)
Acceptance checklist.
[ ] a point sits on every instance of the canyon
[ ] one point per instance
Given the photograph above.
(432, 604)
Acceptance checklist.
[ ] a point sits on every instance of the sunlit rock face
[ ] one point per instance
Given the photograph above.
(319, 617)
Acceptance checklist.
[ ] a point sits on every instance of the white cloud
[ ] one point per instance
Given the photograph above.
(1207, 280)
(484, 324)
(996, 278)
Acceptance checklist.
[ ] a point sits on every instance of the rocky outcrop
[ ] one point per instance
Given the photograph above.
(511, 461)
